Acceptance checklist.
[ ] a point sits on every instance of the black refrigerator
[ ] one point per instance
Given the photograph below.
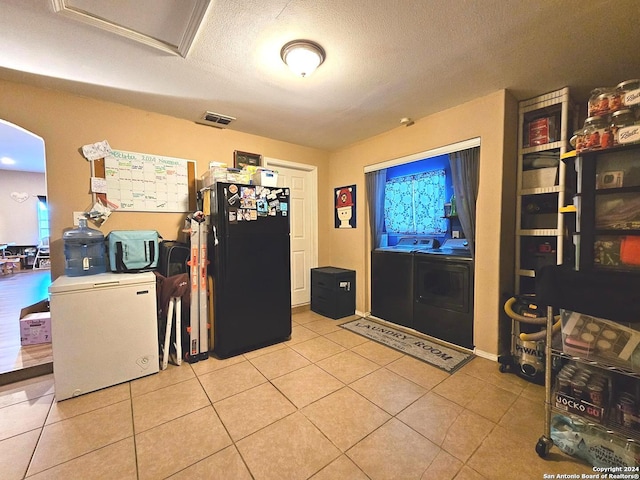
(250, 266)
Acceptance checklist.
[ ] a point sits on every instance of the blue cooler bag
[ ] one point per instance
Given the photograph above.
(133, 250)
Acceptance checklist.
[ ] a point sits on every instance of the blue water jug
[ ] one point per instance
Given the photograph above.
(84, 251)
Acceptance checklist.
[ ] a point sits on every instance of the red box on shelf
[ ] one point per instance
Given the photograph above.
(541, 131)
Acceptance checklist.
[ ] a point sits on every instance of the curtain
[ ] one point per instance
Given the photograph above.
(429, 198)
(375, 182)
(413, 204)
(398, 205)
(465, 172)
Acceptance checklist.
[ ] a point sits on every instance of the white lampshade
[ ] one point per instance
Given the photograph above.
(302, 56)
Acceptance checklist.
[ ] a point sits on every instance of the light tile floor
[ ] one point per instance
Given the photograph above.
(327, 404)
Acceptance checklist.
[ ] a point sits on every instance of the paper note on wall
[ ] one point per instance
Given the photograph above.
(97, 150)
(98, 185)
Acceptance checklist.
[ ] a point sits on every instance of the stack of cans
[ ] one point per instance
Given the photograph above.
(626, 411)
(583, 385)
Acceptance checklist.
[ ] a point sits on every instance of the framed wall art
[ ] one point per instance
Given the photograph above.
(242, 159)
(345, 216)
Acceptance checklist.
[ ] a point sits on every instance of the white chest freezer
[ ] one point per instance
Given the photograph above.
(104, 331)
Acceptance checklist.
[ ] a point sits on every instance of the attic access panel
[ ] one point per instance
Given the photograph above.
(163, 24)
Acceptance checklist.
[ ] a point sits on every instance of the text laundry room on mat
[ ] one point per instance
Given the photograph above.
(445, 358)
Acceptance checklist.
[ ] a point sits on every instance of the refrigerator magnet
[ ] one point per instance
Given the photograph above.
(248, 197)
(233, 188)
(233, 216)
(284, 207)
(263, 207)
(248, 192)
(233, 199)
(253, 214)
(248, 203)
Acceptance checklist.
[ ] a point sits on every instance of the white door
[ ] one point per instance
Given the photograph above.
(302, 182)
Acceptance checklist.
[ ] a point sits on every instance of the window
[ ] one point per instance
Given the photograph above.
(414, 204)
(43, 217)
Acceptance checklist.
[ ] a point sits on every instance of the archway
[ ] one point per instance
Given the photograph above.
(23, 223)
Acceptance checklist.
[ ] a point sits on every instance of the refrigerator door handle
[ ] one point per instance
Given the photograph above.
(223, 216)
(224, 204)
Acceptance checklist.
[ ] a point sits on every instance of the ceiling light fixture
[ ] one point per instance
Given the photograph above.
(302, 56)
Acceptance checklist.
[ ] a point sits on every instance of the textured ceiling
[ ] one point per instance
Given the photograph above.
(386, 59)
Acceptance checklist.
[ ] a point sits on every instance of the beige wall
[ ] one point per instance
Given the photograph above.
(67, 122)
(493, 119)
(19, 219)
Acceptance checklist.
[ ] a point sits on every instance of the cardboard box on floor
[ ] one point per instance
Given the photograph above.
(35, 324)
(9, 265)
(18, 261)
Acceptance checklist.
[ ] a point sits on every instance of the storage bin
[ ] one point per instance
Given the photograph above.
(238, 177)
(213, 175)
(333, 292)
(600, 340)
(539, 220)
(539, 177)
(541, 131)
(266, 178)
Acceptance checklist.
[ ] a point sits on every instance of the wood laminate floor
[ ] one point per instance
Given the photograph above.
(19, 290)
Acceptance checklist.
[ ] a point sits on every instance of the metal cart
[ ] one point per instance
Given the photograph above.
(611, 295)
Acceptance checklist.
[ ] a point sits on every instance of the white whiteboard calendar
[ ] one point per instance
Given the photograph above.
(139, 182)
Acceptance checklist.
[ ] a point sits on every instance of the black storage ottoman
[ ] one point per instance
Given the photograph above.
(333, 292)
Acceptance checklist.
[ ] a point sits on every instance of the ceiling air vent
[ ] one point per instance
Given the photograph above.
(215, 120)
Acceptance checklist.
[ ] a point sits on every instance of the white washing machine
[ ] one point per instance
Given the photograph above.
(104, 331)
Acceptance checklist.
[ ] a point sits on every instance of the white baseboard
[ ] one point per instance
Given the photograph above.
(488, 356)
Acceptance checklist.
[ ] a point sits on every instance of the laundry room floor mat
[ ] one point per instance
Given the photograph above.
(445, 358)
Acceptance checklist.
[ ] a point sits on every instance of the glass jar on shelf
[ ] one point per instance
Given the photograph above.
(595, 128)
(602, 101)
(629, 93)
(620, 121)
